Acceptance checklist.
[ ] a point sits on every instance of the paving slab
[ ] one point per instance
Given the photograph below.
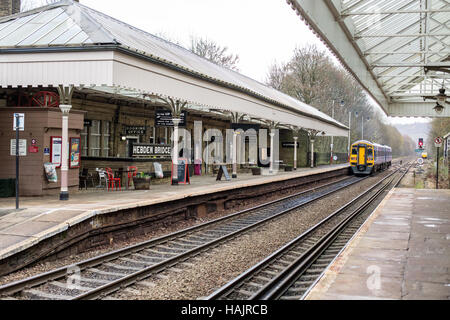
(7, 240)
(401, 252)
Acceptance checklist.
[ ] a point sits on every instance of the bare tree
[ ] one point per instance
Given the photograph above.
(311, 77)
(212, 51)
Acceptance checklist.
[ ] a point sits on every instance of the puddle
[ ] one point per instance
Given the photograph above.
(434, 219)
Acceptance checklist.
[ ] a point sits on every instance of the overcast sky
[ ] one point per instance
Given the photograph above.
(259, 31)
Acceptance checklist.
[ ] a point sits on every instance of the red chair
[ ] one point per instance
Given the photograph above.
(112, 180)
(132, 171)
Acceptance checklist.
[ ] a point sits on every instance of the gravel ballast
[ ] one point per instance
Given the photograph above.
(209, 271)
(200, 276)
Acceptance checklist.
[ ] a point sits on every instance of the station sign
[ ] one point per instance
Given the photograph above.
(133, 130)
(438, 142)
(289, 144)
(163, 118)
(21, 121)
(143, 149)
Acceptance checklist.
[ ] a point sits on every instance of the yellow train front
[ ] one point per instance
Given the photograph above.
(367, 157)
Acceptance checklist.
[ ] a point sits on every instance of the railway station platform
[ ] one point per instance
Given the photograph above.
(401, 252)
(49, 223)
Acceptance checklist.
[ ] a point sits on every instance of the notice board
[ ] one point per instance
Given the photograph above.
(182, 171)
(55, 150)
(74, 153)
(223, 171)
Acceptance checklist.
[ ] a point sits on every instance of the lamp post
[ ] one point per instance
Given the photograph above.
(64, 194)
(362, 124)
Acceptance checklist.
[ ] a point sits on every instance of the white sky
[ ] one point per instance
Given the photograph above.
(259, 31)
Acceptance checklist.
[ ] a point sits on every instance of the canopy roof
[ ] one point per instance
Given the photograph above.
(68, 27)
(397, 49)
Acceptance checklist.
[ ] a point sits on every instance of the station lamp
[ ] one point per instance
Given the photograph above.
(440, 97)
(440, 101)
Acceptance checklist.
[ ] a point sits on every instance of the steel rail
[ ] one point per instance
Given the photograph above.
(17, 286)
(229, 287)
(279, 285)
(146, 272)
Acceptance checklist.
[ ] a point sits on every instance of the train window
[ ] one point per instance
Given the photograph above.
(354, 151)
(369, 152)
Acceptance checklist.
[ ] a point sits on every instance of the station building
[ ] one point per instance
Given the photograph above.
(123, 85)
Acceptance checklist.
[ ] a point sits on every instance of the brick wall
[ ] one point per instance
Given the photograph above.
(9, 7)
(40, 124)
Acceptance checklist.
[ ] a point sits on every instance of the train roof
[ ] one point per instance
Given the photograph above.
(372, 143)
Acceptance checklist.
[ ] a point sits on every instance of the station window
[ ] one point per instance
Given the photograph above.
(94, 139)
(152, 135)
(84, 141)
(161, 135)
(106, 137)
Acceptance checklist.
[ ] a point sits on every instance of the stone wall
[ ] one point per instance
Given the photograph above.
(9, 7)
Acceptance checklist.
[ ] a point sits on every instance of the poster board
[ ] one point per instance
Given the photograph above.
(50, 172)
(158, 170)
(55, 151)
(182, 171)
(223, 171)
(74, 160)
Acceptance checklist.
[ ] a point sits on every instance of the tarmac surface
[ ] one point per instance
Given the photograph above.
(402, 252)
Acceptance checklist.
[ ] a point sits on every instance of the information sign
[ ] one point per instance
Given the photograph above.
(22, 147)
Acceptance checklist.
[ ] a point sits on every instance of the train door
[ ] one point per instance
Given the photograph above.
(361, 154)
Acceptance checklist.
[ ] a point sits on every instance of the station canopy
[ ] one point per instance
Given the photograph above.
(398, 50)
(66, 43)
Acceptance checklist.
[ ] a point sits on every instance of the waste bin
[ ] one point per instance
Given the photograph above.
(7, 188)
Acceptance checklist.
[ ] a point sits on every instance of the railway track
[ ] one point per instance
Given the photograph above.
(292, 270)
(99, 276)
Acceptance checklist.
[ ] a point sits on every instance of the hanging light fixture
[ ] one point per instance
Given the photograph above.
(441, 100)
(438, 108)
(440, 97)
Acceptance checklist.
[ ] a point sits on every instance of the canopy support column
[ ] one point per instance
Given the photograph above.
(65, 94)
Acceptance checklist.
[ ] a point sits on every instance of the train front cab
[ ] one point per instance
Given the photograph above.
(362, 158)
